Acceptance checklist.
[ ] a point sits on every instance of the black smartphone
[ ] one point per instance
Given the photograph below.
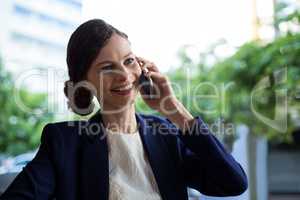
(146, 84)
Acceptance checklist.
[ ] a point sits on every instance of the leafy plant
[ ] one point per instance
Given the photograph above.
(19, 130)
(231, 82)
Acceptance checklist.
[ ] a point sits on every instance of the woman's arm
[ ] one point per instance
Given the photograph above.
(37, 179)
(206, 165)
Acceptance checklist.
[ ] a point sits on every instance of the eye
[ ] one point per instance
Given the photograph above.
(129, 61)
(109, 67)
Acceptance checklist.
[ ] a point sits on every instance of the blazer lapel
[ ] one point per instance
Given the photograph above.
(158, 157)
(94, 177)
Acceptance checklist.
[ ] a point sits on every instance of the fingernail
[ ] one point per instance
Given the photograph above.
(145, 70)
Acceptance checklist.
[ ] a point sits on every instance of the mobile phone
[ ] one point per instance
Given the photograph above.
(147, 85)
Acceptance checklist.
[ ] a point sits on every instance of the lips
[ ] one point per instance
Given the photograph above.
(122, 93)
(123, 88)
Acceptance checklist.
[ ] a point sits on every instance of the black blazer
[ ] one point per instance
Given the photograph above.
(72, 162)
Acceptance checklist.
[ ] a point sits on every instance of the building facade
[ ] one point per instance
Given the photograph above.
(34, 33)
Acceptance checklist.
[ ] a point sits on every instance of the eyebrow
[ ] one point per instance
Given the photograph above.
(107, 61)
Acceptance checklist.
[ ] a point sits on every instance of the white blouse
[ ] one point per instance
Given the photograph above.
(130, 175)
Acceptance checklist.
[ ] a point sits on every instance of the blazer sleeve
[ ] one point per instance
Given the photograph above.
(37, 178)
(206, 165)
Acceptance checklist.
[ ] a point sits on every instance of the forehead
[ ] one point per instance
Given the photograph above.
(116, 47)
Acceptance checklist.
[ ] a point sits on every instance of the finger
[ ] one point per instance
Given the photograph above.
(157, 76)
(142, 63)
(150, 65)
(143, 60)
(146, 68)
(153, 67)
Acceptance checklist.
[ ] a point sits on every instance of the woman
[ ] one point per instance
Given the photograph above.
(118, 153)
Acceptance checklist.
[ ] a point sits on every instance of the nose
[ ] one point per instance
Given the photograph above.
(123, 74)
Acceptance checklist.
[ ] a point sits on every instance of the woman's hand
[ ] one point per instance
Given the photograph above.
(164, 99)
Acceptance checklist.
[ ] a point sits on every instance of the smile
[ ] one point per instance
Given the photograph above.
(124, 88)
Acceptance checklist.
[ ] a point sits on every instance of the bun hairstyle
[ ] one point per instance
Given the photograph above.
(83, 47)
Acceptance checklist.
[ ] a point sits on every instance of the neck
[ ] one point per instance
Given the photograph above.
(121, 122)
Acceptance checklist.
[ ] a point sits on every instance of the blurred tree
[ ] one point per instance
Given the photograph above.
(232, 81)
(286, 17)
(19, 130)
(278, 64)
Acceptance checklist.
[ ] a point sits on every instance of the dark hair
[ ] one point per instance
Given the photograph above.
(84, 45)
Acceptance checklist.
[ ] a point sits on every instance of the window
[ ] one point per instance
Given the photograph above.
(43, 17)
(19, 37)
(74, 3)
(22, 11)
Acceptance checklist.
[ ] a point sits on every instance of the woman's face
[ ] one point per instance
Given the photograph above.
(115, 74)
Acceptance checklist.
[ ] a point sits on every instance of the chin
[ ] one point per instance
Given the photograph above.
(121, 105)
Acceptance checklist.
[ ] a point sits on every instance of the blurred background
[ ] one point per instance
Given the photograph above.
(235, 63)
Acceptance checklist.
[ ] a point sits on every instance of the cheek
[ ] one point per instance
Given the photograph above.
(92, 77)
(104, 83)
(99, 82)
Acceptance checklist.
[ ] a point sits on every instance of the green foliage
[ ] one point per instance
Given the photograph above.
(286, 14)
(20, 130)
(231, 82)
(252, 63)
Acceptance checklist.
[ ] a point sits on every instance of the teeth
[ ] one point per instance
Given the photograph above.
(125, 88)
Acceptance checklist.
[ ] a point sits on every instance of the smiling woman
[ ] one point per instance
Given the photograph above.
(115, 73)
(118, 153)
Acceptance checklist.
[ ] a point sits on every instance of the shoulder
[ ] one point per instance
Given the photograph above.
(158, 121)
(66, 127)
(63, 132)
